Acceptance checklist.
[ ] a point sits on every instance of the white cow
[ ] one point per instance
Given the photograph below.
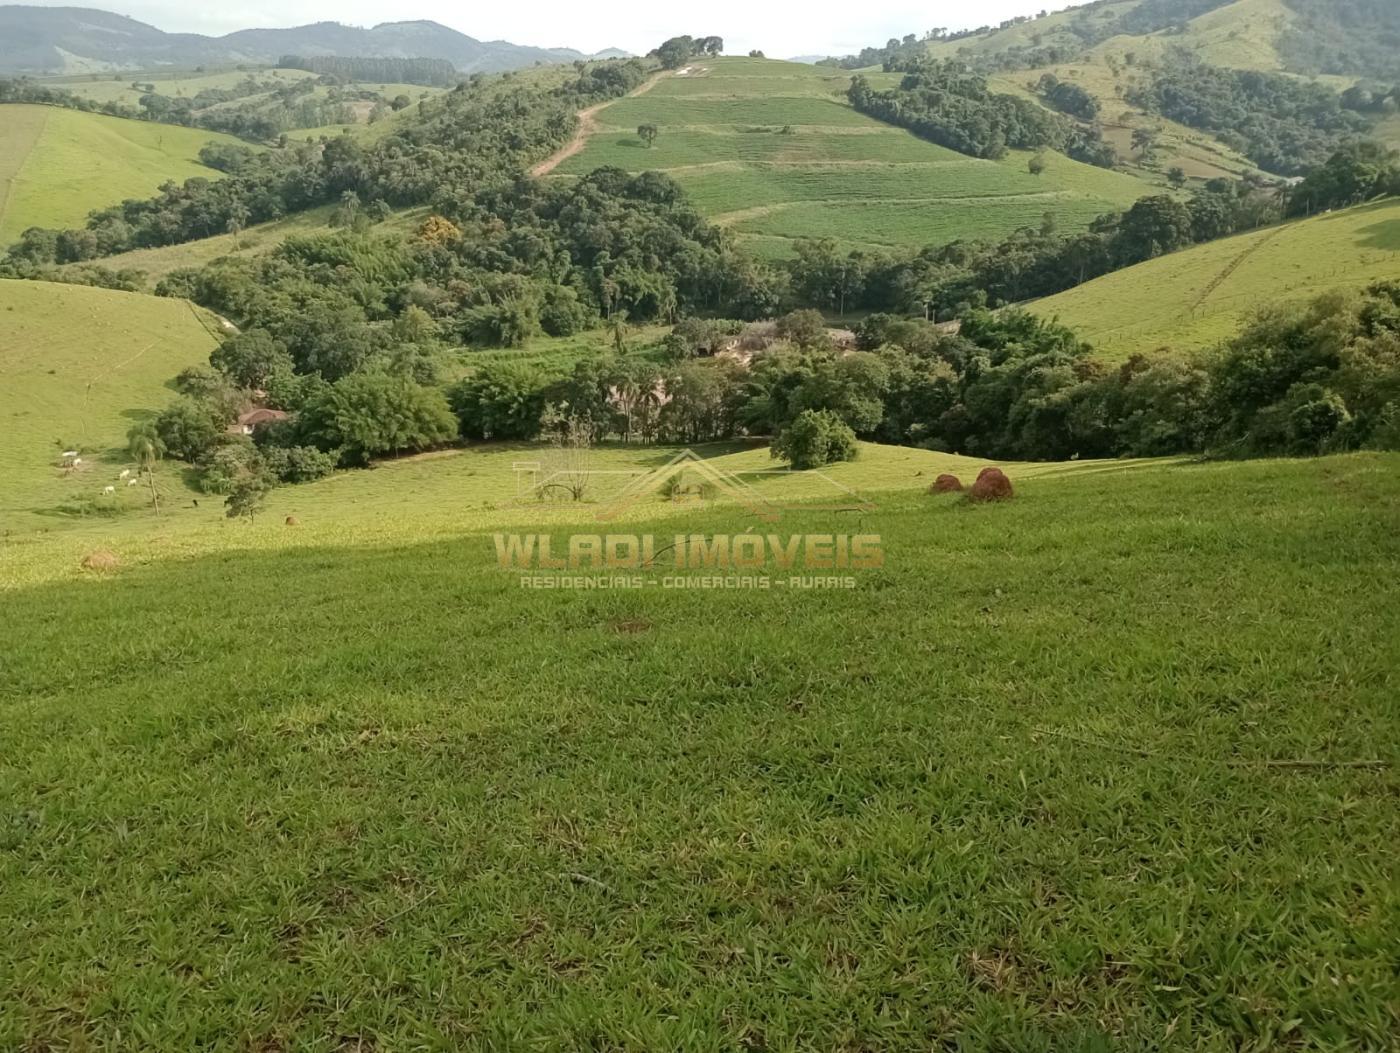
(109, 489)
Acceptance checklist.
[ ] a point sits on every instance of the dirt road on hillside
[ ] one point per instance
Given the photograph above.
(587, 125)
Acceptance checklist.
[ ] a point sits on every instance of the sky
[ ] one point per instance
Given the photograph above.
(780, 30)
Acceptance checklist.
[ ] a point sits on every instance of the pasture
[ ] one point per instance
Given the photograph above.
(80, 367)
(773, 151)
(1109, 765)
(1200, 296)
(58, 165)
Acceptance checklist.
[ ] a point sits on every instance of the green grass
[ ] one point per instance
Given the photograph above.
(772, 150)
(1199, 297)
(58, 165)
(79, 367)
(347, 785)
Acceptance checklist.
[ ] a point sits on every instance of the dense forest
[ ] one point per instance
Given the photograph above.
(1282, 124)
(1346, 37)
(952, 106)
(429, 72)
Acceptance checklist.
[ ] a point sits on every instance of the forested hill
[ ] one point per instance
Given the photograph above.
(79, 40)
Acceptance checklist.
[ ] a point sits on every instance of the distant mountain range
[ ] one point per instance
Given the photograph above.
(83, 40)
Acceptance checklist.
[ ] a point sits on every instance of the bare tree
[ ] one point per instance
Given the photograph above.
(566, 467)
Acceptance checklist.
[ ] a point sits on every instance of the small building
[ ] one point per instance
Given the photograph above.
(248, 422)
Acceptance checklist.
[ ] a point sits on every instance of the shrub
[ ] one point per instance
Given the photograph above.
(300, 464)
(223, 467)
(815, 438)
(190, 430)
(501, 401)
(367, 414)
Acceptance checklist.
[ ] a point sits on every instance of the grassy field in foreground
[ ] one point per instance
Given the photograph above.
(772, 150)
(58, 165)
(79, 367)
(1027, 787)
(1200, 296)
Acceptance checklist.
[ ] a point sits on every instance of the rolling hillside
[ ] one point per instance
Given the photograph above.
(1200, 296)
(772, 151)
(1243, 34)
(58, 165)
(79, 366)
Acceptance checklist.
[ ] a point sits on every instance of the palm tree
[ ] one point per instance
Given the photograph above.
(144, 444)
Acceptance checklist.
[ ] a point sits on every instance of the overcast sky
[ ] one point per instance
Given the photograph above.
(782, 30)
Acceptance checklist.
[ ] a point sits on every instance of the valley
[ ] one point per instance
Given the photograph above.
(699, 551)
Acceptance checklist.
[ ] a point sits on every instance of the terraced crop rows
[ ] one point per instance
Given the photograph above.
(772, 150)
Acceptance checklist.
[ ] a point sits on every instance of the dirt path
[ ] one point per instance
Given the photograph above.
(1235, 264)
(587, 125)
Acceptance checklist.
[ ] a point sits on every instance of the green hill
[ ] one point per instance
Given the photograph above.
(772, 151)
(1242, 34)
(1198, 297)
(349, 778)
(58, 165)
(80, 365)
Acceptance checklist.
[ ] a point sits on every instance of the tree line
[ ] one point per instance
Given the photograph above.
(949, 104)
(429, 72)
(1305, 379)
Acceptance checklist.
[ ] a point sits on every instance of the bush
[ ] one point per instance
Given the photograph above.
(223, 467)
(300, 464)
(501, 401)
(815, 438)
(190, 430)
(367, 414)
(251, 359)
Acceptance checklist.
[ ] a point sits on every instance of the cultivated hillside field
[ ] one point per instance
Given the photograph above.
(772, 151)
(1111, 765)
(1201, 295)
(80, 367)
(58, 165)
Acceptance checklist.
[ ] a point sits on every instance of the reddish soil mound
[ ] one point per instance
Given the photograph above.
(992, 485)
(946, 484)
(101, 560)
